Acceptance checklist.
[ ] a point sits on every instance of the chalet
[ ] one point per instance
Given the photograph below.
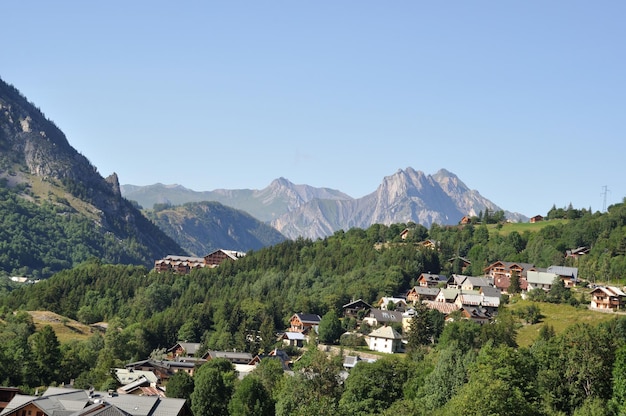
(419, 294)
(185, 264)
(569, 275)
(6, 395)
(536, 218)
(126, 376)
(275, 354)
(380, 317)
(446, 308)
(432, 280)
(447, 295)
(163, 369)
(184, 349)
(456, 281)
(465, 220)
(234, 357)
(142, 387)
(216, 258)
(490, 299)
(476, 282)
(356, 308)
(384, 339)
(476, 314)
(304, 322)
(404, 234)
(468, 298)
(293, 339)
(178, 264)
(65, 401)
(540, 280)
(432, 244)
(465, 263)
(399, 304)
(608, 298)
(501, 272)
(575, 253)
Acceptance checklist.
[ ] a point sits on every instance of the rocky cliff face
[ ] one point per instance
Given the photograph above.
(33, 148)
(408, 195)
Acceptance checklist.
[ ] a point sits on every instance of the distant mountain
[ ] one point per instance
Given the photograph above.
(279, 197)
(301, 210)
(406, 196)
(202, 227)
(56, 210)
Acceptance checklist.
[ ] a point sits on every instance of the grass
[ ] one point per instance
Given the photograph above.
(65, 329)
(522, 227)
(559, 316)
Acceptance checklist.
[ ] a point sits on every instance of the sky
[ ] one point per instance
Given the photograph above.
(524, 101)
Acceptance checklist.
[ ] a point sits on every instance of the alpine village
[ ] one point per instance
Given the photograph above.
(121, 300)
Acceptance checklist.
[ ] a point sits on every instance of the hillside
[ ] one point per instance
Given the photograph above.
(56, 210)
(201, 227)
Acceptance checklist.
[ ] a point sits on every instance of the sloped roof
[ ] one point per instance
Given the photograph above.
(437, 278)
(564, 271)
(356, 303)
(470, 299)
(386, 332)
(459, 278)
(308, 318)
(443, 307)
(449, 294)
(427, 291)
(610, 291)
(233, 254)
(293, 336)
(491, 291)
(478, 281)
(189, 347)
(125, 376)
(185, 258)
(60, 401)
(386, 316)
(229, 355)
(540, 278)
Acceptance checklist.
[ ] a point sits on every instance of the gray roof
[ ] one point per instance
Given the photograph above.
(477, 281)
(540, 278)
(427, 291)
(491, 291)
(564, 271)
(230, 355)
(59, 401)
(386, 316)
(189, 347)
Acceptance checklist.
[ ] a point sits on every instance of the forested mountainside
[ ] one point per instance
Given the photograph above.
(56, 210)
(304, 211)
(461, 368)
(202, 227)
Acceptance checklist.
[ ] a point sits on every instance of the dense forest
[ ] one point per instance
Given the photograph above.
(38, 240)
(462, 368)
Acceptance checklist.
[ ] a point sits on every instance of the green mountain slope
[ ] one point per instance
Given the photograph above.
(201, 227)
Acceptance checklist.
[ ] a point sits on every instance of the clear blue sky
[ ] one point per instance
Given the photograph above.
(524, 101)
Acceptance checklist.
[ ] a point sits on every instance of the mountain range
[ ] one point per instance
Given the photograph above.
(304, 211)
